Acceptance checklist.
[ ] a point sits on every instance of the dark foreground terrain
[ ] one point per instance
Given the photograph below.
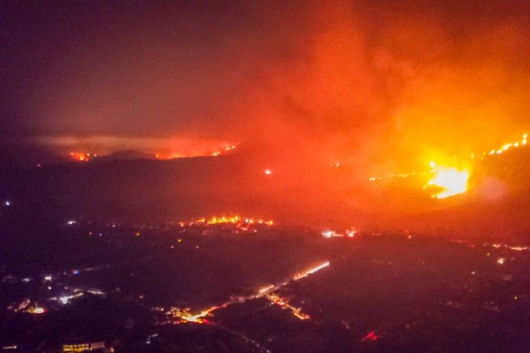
(245, 285)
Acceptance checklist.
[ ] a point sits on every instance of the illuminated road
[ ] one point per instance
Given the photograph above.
(184, 315)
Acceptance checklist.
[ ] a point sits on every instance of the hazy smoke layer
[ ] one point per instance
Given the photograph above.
(383, 83)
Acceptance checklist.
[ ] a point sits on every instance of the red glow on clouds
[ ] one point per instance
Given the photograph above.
(156, 148)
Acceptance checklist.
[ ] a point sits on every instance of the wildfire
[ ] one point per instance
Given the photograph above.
(508, 146)
(449, 181)
(226, 149)
(232, 220)
(82, 157)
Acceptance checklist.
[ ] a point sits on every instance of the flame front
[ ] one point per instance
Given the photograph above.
(450, 180)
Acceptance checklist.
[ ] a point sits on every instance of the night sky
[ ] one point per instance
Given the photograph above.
(374, 82)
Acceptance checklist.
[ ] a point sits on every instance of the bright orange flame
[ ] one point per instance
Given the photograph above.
(236, 220)
(452, 181)
(81, 157)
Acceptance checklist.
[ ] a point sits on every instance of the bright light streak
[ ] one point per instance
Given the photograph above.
(311, 271)
(318, 268)
(266, 289)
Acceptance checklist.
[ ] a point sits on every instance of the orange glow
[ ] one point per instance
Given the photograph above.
(311, 271)
(493, 152)
(185, 316)
(266, 289)
(236, 220)
(282, 302)
(80, 157)
(508, 146)
(450, 180)
(36, 310)
(159, 154)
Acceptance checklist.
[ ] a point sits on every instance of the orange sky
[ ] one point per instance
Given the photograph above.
(376, 83)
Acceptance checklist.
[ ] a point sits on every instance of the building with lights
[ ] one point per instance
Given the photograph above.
(84, 347)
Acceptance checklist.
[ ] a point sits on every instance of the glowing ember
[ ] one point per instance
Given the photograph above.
(80, 157)
(451, 181)
(236, 220)
(268, 171)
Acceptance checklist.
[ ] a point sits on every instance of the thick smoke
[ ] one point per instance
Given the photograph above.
(383, 84)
